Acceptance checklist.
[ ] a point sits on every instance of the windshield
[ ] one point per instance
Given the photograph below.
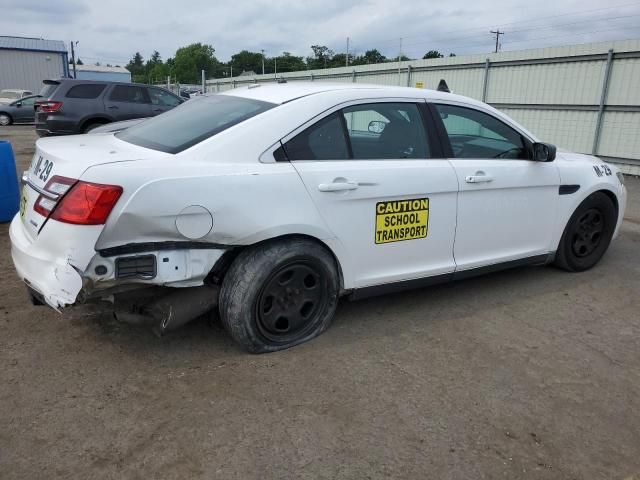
(9, 94)
(192, 122)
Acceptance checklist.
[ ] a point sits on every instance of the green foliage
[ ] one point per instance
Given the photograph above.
(189, 61)
(432, 54)
(246, 61)
(370, 56)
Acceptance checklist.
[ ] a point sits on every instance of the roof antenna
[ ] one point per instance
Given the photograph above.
(443, 87)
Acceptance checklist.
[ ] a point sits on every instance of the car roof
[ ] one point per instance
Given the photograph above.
(279, 93)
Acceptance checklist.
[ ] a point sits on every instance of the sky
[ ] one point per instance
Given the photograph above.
(111, 31)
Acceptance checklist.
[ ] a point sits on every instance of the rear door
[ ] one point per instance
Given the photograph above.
(125, 102)
(507, 202)
(161, 100)
(370, 170)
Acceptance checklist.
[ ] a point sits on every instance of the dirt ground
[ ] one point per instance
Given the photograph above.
(530, 373)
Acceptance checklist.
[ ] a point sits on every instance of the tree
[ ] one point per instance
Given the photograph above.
(79, 62)
(322, 56)
(287, 63)
(432, 54)
(136, 67)
(370, 56)
(189, 61)
(246, 61)
(452, 54)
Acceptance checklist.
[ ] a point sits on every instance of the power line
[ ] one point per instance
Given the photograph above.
(498, 33)
(393, 40)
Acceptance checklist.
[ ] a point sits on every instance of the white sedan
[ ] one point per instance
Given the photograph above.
(268, 203)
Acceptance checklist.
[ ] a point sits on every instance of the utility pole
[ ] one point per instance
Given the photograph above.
(346, 61)
(498, 33)
(262, 61)
(275, 67)
(73, 57)
(399, 57)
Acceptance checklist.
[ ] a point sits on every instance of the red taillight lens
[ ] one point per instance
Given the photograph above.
(58, 185)
(87, 204)
(48, 107)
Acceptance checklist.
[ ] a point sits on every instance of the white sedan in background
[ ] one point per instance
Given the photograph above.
(268, 203)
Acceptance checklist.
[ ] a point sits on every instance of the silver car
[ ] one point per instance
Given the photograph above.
(19, 111)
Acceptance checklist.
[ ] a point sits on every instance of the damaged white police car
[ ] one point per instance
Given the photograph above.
(268, 203)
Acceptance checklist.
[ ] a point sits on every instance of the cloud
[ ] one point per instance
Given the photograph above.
(112, 30)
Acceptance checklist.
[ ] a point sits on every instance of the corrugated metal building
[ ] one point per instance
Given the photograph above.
(26, 62)
(101, 72)
(584, 98)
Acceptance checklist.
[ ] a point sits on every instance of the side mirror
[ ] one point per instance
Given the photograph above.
(19, 104)
(376, 126)
(544, 152)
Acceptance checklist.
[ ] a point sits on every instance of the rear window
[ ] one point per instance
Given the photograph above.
(48, 89)
(193, 122)
(87, 90)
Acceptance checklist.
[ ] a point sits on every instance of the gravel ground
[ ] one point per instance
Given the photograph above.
(529, 373)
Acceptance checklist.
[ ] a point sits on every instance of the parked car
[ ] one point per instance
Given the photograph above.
(19, 111)
(270, 202)
(9, 95)
(71, 106)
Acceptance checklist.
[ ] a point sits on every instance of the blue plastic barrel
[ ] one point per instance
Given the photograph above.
(9, 190)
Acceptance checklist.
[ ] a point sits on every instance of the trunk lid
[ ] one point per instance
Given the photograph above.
(69, 157)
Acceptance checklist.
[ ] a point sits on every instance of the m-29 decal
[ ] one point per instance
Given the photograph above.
(602, 170)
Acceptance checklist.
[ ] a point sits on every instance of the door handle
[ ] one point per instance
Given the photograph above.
(479, 177)
(113, 107)
(337, 186)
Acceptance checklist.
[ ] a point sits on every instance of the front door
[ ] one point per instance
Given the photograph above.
(507, 203)
(369, 170)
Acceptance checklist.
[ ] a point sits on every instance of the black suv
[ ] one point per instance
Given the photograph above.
(71, 106)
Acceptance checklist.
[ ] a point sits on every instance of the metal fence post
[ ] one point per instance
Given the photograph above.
(409, 75)
(485, 83)
(311, 75)
(353, 76)
(603, 101)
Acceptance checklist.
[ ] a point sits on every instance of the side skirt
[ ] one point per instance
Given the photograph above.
(394, 287)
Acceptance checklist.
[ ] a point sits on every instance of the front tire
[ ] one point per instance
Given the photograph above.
(279, 294)
(5, 119)
(587, 234)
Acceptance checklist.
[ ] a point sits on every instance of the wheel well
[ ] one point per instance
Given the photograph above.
(98, 120)
(222, 265)
(7, 114)
(612, 197)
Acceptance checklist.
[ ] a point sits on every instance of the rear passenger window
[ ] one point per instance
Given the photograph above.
(87, 90)
(128, 93)
(324, 140)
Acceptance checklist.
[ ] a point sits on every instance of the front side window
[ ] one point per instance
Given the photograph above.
(192, 122)
(475, 134)
(360, 132)
(386, 130)
(28, 102)
(129, 94)
(162, 98)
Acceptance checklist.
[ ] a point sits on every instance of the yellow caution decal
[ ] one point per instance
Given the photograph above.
(402, 220)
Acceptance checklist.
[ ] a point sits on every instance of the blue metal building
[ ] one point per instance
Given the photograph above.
(101, 72)
(26, 62)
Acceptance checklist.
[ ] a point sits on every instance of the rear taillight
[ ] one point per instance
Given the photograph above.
(58, 185)
(87, 204)
(48, 107)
